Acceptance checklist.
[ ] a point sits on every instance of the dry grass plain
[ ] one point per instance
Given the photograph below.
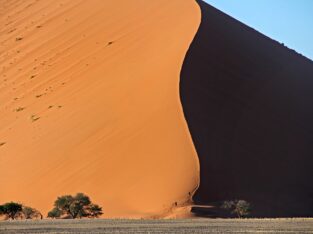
(160, 226)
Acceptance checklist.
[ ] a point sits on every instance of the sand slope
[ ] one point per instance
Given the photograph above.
(89, 102)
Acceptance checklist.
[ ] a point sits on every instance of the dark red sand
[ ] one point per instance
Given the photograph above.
(248, 101)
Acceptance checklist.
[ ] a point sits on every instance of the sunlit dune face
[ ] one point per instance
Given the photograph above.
(89, 102)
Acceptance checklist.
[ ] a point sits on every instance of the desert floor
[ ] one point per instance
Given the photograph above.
(160, 226)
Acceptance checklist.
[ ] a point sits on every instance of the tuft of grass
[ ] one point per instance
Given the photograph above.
(18, 38)
(19, 109)
(2, 143)
(33, 76)
(39, 95)
(50, 107)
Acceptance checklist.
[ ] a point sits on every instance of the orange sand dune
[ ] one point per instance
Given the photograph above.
(89, 102)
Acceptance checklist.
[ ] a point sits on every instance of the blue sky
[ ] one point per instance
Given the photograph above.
(287, 21)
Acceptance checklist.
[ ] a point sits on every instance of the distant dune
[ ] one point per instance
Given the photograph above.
(121, 100)
(89, 99)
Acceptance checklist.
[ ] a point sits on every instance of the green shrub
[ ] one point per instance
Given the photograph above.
(11, 210)
(30, 213)
(78, 206)
(239, 207)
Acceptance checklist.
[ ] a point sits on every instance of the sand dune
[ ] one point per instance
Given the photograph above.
(89, 102)
(94, 95)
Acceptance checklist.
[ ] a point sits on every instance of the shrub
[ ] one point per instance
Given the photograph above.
(11, 210)
(31, 213)
(78, 206)
(239, 207)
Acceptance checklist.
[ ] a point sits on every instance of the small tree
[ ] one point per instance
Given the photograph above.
(11, 210)
(78, 206)
(239, 207)
(31, 213)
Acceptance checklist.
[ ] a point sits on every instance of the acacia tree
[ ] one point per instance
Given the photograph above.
(77, 206)
(30, 213)
(239, 207)
(11, 210)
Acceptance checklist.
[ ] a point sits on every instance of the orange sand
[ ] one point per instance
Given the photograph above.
(103, 79)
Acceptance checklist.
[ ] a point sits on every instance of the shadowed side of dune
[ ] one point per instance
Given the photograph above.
(248, 103)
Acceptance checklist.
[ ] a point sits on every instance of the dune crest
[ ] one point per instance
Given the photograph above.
(90, 103)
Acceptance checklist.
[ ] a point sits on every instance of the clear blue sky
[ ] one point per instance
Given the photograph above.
(287, 21)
